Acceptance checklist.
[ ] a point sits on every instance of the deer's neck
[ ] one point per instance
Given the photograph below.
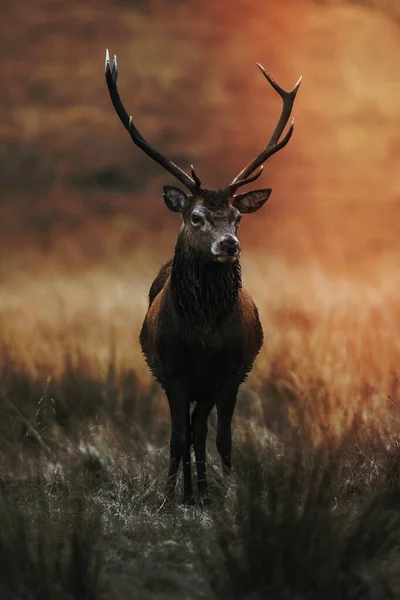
(203, 291)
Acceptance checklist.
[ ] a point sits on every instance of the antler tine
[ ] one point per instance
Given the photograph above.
(137, 138)
(195, 177)
(274, 145)
(288, 101)
(234, 185)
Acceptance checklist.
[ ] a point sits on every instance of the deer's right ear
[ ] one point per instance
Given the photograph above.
(175, 199)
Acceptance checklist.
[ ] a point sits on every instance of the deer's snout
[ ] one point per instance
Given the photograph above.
(227, 247)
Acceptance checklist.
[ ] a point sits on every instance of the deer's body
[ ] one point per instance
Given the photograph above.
(212, 337)
(202, 332)
(200, 337)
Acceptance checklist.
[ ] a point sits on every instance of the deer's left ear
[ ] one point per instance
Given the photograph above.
(251, 201)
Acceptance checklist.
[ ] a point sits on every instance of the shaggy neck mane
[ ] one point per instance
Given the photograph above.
(204, 292)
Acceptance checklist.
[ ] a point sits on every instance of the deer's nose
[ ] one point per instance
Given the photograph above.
(229, 245)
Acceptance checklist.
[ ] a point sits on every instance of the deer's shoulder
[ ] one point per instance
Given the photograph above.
(160, 281)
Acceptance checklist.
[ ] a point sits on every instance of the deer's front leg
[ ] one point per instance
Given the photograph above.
(179, 406)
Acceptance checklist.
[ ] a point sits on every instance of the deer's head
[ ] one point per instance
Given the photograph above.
(210, 219)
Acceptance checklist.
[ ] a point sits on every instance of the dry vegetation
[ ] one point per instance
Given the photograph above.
(312, 511)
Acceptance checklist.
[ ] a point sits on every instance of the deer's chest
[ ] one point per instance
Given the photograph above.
(207, 358)
(201, 351)
(207, 352)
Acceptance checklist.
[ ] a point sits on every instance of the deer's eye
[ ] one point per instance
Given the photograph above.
(197, 219)
(238, 219)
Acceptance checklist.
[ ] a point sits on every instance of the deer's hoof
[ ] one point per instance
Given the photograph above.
(188, 500)
(204, 501)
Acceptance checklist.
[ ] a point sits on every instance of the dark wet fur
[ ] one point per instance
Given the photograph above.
(204, 293)
(200, 325)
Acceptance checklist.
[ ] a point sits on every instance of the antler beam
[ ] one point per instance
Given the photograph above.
(111, 78)
(274, 145)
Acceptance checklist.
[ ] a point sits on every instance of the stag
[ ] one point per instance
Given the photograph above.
(202, 332)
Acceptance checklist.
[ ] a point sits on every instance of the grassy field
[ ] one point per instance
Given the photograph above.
(312, 509)
(83, 513)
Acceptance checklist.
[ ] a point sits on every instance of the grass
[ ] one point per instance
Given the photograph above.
(83, 515)
(295, 533)
(49, 546)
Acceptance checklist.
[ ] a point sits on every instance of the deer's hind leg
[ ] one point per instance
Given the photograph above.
(225, 407)
(187, 460)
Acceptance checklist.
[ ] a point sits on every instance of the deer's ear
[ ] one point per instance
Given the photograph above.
(251, 201)
(175, 199)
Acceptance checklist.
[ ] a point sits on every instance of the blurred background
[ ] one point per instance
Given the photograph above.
(83, 228)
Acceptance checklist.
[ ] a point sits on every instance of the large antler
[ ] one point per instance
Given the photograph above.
(138, 139)
(274, 145)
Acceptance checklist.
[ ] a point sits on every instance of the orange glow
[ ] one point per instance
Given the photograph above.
(84, 229)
